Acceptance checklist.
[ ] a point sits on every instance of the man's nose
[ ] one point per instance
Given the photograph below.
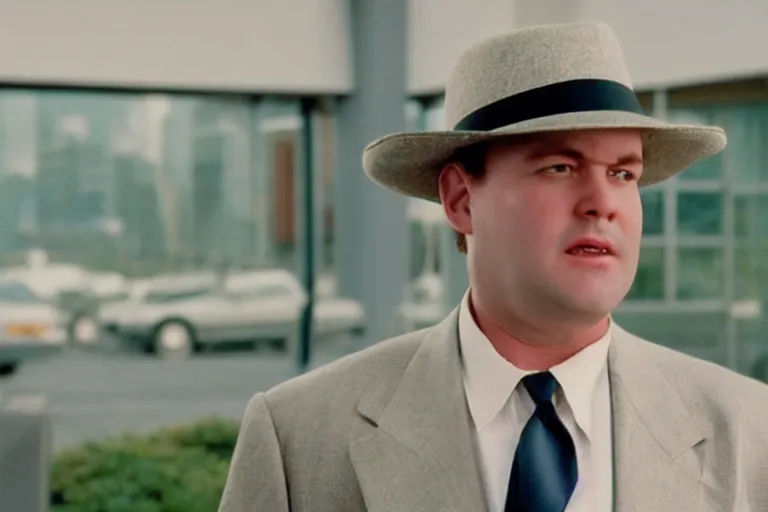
(598, 200)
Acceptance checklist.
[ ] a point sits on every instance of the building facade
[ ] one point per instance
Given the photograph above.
(156, 137)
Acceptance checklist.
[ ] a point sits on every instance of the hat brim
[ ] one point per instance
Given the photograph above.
(410, 163)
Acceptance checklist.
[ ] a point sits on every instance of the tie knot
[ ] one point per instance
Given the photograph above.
(541, 386)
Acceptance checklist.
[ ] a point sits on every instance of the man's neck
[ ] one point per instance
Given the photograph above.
(537, 349)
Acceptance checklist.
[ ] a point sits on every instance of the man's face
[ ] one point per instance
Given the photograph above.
(554, 223)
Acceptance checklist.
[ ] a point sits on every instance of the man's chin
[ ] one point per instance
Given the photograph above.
(589, 308)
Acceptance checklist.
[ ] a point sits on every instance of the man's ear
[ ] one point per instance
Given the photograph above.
(453, 184)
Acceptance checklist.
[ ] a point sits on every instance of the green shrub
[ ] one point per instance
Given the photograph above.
(178, 469)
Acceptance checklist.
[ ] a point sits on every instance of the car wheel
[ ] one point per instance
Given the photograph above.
(174, 340)
(8, 369)
(85, 330)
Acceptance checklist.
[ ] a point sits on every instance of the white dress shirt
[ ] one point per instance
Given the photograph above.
(500, 409)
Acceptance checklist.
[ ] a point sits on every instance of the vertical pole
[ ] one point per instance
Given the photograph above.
(308, 235)
(371, 228)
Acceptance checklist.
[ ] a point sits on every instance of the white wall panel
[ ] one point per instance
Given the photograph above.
(256, 45)
(687, 41)
(439, 30)
(665, 43)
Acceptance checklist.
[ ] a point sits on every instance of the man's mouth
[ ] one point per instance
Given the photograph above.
(590, 247)
(587, 250)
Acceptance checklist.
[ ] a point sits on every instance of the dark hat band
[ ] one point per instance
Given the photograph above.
(584, 95)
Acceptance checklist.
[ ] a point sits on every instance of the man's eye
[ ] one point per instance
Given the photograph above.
(558, 169)
(624, 175)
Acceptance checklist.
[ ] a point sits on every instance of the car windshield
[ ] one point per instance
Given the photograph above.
(18, 292)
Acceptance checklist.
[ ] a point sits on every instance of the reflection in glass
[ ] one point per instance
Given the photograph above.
(146, 184)
(426, 222)
(325, 137)
(699, 273)
(278, 139)
(699, 213)
(653, 212)
(649, 281)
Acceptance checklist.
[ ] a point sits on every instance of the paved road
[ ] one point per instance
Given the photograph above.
(93, 395)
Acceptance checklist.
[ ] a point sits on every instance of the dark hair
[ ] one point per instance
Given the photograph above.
(472, 159)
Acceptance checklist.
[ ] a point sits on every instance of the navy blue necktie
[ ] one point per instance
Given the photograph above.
(544, 471)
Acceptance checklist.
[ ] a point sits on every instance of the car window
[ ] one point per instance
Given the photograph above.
(159, 297)
(265, 291)
(18, 292)
(114, 297)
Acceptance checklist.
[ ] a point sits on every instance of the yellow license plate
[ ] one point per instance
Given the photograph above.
(25, 330)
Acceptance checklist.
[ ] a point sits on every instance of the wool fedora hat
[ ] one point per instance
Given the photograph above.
(561, 77)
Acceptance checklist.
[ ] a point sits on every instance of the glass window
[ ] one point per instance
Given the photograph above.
(699, 213)
(435, 117)
(751, 251)
(751, 216)
(699, 273)
(649, 281)
(747, 153)
(325, 139)
(418, 249)
(413, 114)
(278, 135)
(709, 168)
(653, 212)
(751, 272)
(141, 183)
(157, 198)
(426, 220)
(147, 184)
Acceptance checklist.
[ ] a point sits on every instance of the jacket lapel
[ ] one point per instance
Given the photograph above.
(657, 442)
(417, 453)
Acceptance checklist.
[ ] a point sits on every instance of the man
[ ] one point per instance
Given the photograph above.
(526, 397)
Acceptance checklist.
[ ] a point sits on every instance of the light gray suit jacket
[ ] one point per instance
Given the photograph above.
(387, 430)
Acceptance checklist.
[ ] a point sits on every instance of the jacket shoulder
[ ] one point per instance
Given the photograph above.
(721, 394)
(343, 381)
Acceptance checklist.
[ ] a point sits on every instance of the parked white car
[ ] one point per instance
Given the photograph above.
(30, 327)
(244, 307)
(164, 288)
(72, 289)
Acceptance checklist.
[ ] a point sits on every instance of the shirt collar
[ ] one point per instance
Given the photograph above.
(490, 379)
